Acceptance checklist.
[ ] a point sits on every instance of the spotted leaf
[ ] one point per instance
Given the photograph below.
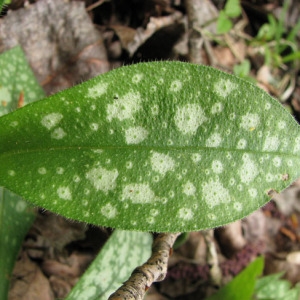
(17, 87)
(161, 146)
(113, 265)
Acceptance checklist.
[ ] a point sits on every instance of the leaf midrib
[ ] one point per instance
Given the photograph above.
(149, 148)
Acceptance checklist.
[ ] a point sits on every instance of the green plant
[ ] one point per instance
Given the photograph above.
(278, 45)
(269, 287)
(272, 287)
(246, 279)
(161, 146)
(243, 70)
(3, 3)
(18, 86)
(231, 10)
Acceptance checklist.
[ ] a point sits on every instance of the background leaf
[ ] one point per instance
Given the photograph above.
(120, 255)
(224, 24)
(18, 85)
(271, 287)
(2, 2)
(242, 286)
(233, 8)
(16, 216)
(162, 146)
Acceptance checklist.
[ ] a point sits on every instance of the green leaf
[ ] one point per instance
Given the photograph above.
(224, 24)
(16, 216)
(233, 8)
(161, 146)
(291, 57)
(113, 265)
(243, 69)
(242, 286)
(273, 288)
(268, 31)
(2, 4)
(18, 85)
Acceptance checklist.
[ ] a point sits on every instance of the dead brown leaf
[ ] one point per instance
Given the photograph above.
(28, 282)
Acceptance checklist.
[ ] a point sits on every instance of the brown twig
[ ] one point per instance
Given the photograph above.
(96, 4)
(155, 269)
(200, 14)
(153, 26)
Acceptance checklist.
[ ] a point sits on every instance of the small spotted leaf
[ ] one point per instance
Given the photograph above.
(161, 146)
(113, 265)
(17, 86)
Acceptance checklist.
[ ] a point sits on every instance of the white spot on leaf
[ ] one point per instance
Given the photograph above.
(297, 144)
(189, 117)
(94, 126)
(185, 213)
(270, 177)
(277, 161)
(214, 193)
(196, 157)
(214, 140)
(224, 87)
(154, 212)
(162, 163)
(268, 106)
(238, 206)
(97, 90)
(248, 171)
(176, 86)
(211, 216)
(103, 179)
(11, 173)
(42, 171)
(281, 125)
(20, 206)
(217, 166)
(138, 193)
(217, 108)
(125, 107)
(58, 134)
(109, 211)
(60, 170)
(250, 121)
(189, 189)
(242, 143)
(64, 193)
(129, 164)
(51, 120)
(137, 78)
(135, 135)
(76, 178)
(271, 143)
(155, 110)
(253, 192)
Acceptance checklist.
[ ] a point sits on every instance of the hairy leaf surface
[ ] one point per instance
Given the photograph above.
(161, 146)
(113, 265)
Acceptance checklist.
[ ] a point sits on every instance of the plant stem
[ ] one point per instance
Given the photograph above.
(155, 269)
